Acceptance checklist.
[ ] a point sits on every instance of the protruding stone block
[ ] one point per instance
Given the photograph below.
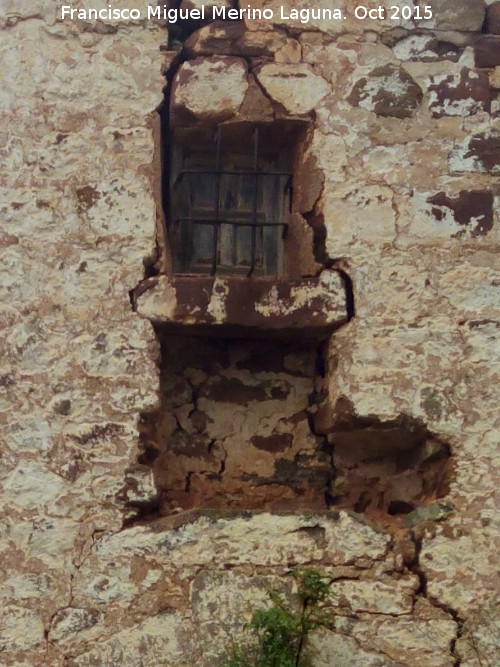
(310, 307)
(296, 87)
(209, 88)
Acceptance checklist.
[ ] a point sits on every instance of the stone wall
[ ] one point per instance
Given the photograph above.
(398, 187)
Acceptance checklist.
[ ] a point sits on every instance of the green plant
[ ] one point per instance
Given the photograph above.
(279, 632)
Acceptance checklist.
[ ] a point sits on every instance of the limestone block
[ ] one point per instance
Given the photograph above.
(308, 16)
(258, 537)
(455, 565)
(376, 597)
(410, 640)
(210, 88)
(494, 77)
(477, 297)
(116, 70)
(12, 11)
(387, 91)
(21, 629)
(162, 639)
(424, 48)
(332, 648)
(222, 603)
(231, 38)
(71, 621)
(493, 18)
(349, 215)
(290, 52)
(487, 51)
(32, 485)
(463, 17)
(295, 87)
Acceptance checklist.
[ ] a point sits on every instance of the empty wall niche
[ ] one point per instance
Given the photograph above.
(233, 430)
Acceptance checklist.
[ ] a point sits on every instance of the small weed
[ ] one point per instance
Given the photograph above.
(279, 633)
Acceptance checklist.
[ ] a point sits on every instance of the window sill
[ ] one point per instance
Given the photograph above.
(244, 307)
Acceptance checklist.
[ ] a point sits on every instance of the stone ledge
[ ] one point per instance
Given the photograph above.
(205, 305)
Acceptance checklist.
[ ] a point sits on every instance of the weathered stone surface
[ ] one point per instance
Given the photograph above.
(435, 512)
(387, 91)
(466, 17)
(336, 648)
(459, 95)
(270, 539)
(71, 621)
(480, 153)
(493, 18)
(425, 637)
(231, 38)
(142, 645)
(22, 630)
(310, 306)
(424, 48)
(377, 597)
(209, 88)
(494, 78)
(487, 51)
(407, 207)
(295, 87)
(472, 210)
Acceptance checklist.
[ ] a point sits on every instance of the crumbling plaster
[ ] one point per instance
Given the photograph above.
(79, 366)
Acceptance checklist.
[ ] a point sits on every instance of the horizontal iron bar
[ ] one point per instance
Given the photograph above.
(233, 172)
(204, 221)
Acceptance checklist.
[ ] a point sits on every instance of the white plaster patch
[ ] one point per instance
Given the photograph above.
(329, 289)
(217, 304)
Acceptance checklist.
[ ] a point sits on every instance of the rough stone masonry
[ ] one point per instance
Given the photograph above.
(397, 190)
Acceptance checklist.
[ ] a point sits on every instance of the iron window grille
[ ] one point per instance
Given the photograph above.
(229, 206)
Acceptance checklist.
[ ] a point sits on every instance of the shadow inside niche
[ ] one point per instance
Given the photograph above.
(386, 468)
(233, 429)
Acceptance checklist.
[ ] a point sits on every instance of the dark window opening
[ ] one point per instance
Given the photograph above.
(230, 197)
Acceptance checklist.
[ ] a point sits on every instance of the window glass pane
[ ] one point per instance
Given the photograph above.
(247, 193)
(203, 193)
(271, 243)
(236, 246)
(202, 244)
(244, 246)
(226, 245)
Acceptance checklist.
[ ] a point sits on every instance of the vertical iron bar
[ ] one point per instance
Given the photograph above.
(255, 195)
(234, 227)
(216, 226)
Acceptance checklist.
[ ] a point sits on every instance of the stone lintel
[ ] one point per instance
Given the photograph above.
(205, 305)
